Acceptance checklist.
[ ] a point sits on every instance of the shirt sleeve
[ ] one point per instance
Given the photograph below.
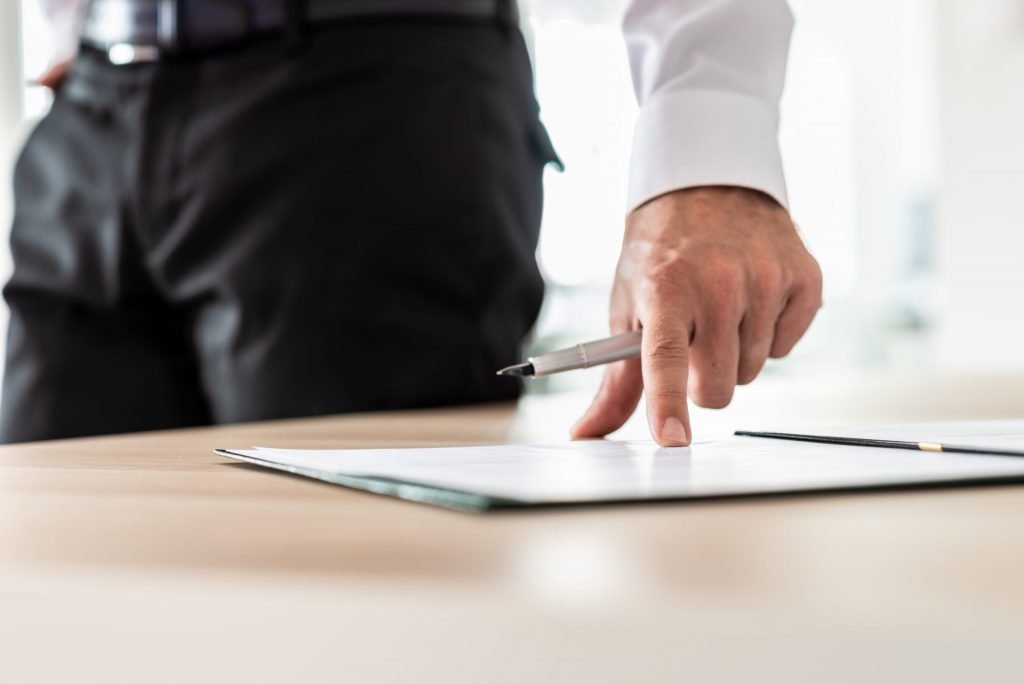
(708, 75)
(65, 19)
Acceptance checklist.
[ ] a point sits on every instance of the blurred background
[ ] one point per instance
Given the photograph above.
(904, 155)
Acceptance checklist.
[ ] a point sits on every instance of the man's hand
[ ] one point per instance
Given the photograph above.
(719, 280)
(55, 76)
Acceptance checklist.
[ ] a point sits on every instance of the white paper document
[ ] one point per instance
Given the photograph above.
(480, 477)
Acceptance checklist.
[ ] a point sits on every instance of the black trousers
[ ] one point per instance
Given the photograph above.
(258, 233)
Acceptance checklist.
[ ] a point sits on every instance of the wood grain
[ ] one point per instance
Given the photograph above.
(156, 531)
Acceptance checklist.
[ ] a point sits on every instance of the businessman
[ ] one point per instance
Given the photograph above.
(255, 209)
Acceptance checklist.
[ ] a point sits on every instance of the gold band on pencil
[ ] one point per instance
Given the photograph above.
(929, 446)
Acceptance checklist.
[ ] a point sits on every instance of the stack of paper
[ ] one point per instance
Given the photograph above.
(482, 477)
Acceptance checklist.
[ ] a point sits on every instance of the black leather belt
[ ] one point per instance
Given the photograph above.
(132, 31)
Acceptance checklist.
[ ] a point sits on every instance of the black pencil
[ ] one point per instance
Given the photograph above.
(934, 447)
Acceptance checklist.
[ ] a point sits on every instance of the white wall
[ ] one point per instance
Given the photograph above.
(11, 98)
(11, 130)
(981, 212)
(886, 102)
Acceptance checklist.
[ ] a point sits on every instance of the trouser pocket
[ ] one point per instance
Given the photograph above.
(542, 147)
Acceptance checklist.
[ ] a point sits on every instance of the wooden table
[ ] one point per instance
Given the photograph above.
(146, 558)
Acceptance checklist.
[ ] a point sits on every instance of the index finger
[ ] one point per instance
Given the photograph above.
(665, 360)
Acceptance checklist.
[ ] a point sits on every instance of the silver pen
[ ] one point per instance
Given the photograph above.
(599, 352)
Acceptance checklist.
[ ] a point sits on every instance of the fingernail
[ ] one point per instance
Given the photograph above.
(673, 431)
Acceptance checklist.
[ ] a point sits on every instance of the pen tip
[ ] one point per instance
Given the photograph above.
(520, 370)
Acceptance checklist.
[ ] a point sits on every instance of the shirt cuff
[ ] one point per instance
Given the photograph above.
(693, 138)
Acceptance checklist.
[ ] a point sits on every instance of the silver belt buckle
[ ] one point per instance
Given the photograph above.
(166, 38)
(125, 53)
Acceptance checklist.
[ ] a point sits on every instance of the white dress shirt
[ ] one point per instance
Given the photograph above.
(65, 19)
(708, 75)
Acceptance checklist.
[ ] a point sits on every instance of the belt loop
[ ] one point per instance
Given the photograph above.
(170, 18)
(295, 13)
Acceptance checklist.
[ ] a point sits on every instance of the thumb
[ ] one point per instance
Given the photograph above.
(615, 401)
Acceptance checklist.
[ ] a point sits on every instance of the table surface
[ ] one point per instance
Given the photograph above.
(116, 551)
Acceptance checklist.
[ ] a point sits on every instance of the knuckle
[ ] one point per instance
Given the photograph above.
(781, 349)
(768, 279)
(810, 306)
(713, 389)
(672, 397)
(667, 349)
(815, 278)
(668, 391)
(750, 368)
(664, 278)
(713, 396)
(724, 275)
